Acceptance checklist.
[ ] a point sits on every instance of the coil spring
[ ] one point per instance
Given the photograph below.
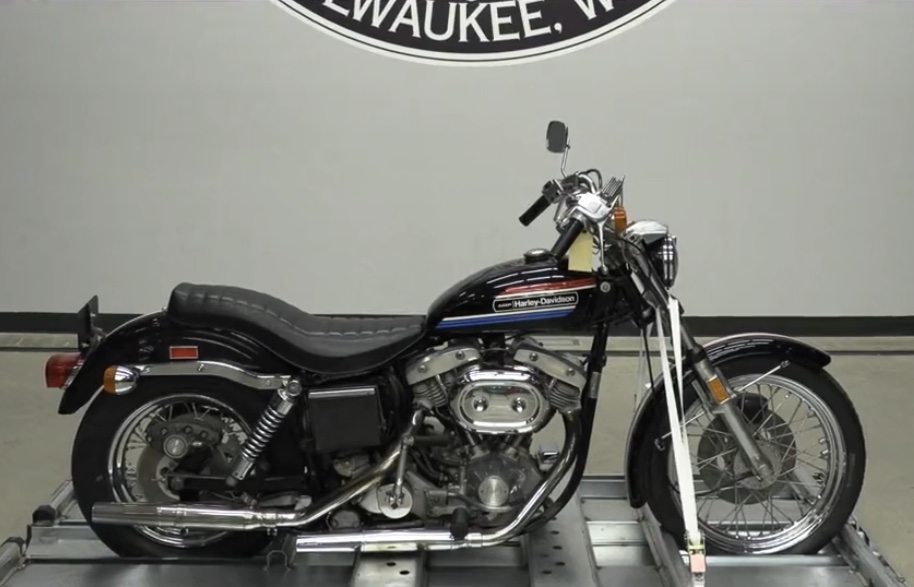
(269, 423)
(431, 392)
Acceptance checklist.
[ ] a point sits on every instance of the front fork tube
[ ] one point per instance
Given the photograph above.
(714, 391)
(716, 394)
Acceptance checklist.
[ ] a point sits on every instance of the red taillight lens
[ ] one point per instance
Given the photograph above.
(59, 367)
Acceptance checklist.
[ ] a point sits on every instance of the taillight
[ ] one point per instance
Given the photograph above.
(59, 368)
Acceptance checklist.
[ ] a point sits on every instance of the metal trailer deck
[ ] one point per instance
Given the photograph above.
(597, 541)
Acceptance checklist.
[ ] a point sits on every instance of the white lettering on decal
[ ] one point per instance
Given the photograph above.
(471, 19)
(332, 5)
(500, 19)
(408, 16)
(527, 16)
(589, 10)
(470, 22)
(378, 14)
(430, 12)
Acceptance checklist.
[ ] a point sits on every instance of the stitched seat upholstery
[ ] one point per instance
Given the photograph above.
(333, 345)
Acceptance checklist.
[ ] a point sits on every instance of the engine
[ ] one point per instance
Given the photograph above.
(517, 397)
(496, 403)
(483, 407)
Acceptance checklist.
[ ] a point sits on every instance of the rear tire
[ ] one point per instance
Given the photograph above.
(92, 479)
(658, 488)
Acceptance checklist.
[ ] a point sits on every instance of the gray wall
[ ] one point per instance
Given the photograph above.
(144, 143)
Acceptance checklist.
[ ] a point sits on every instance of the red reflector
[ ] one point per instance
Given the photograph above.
(59, 367)
(178, 353)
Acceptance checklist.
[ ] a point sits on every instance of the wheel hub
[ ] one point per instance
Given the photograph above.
(175, 446)
(183, 432)
(726, 471)
(185, 441)
(742, 471)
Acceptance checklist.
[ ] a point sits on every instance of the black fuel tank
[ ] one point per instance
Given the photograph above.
(517, 295)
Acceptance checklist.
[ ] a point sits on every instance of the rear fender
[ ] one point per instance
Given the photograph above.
(720, 351)
(146, 339)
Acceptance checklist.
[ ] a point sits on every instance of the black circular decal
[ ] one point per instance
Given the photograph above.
(472, 31)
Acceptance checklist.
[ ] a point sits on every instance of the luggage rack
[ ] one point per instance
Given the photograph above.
(596, 541)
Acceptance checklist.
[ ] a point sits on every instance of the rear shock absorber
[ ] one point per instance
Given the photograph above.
(273, 416)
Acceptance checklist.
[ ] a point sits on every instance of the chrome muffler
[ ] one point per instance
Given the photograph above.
(227, 518)
(219, 517)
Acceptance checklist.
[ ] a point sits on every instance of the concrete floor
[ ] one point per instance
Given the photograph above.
(35, 441)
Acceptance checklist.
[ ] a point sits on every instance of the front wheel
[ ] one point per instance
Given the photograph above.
(804, 423)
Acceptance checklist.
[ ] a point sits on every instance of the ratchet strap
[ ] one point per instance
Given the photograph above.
(695, 543)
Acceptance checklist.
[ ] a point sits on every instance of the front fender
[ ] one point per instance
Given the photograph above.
(719, 352)
(147, 339)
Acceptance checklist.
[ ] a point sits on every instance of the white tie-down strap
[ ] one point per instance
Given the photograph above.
(681, 452)
(644, 356)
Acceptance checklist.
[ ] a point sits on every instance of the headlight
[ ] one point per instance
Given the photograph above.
(660, 246)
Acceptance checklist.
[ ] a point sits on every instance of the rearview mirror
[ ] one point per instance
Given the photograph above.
(556, 137)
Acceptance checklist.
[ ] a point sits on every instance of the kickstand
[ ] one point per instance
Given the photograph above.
(698, 564)
(282, 553)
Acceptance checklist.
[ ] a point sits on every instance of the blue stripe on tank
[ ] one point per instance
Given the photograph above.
(503, 319)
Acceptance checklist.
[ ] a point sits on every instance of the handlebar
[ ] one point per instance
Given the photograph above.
(550, 194)
(588, 202)
(533, 212)
(566, 239)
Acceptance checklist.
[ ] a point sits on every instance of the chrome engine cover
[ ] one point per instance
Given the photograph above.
(500, 401)
(501, 479)
(514, 398)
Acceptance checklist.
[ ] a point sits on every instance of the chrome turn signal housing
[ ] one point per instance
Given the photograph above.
(119, 379)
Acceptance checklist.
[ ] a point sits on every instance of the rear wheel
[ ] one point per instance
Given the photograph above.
(128, 448)
(805, 424)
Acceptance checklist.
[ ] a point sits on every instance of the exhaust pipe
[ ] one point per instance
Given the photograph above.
(227, 518)
(220, 517)
(405, 540)
(200, 517)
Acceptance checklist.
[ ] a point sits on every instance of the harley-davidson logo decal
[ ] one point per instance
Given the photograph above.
(473, 32)
(536, 302)
(562, 294)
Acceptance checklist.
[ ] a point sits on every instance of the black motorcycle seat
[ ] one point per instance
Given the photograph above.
(326, 344)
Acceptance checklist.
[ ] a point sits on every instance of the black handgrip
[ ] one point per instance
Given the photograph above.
(533, 212)
(569, 235)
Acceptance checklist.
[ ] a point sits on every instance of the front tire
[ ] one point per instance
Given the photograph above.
(97, 478)
(722, 472)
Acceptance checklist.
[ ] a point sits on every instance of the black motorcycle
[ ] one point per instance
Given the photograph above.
(231, 419)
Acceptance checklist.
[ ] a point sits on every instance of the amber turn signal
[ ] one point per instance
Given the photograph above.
(109, 379)
(119, 379)
(620, 219)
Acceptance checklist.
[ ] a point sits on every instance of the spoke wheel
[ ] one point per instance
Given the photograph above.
(807, 428)
(133, 448)
(175, 433)
(802, 440)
